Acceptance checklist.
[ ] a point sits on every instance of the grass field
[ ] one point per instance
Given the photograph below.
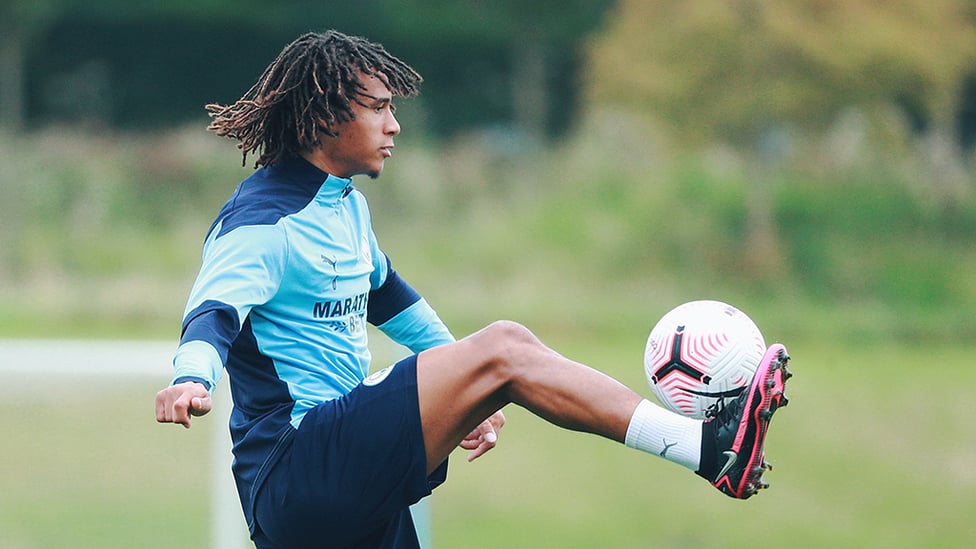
(875, 450)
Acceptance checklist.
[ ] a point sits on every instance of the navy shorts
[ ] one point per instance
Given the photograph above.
(354, 466)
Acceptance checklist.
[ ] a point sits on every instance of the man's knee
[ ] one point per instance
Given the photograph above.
(510, 332)
(507, 343)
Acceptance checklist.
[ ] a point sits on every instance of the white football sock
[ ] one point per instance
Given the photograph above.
(672, 436)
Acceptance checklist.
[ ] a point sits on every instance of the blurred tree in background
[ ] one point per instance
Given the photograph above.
(755, 74)
(150, 64)
(818, 149)
(735, 69)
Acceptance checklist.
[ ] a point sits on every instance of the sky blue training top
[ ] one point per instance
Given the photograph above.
(291, 273)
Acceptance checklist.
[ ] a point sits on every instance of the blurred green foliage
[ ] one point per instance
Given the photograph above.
(110, 228)
(150, 64)
(733, 71)
(807, 187)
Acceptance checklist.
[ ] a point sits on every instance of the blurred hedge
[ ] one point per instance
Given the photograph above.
(103, 232)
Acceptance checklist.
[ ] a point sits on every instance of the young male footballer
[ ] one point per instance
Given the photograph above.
(325, 454)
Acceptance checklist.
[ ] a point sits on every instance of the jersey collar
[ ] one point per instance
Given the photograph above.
(330, 189)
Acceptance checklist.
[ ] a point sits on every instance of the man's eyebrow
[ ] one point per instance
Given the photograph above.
(377, 100)
(373, 102)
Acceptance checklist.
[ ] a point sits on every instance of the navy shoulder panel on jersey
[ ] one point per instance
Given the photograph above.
(271, 193)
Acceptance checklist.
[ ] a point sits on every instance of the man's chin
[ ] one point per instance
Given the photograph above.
(374, 173)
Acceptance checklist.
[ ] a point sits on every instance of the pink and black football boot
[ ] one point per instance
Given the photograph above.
(732, 438)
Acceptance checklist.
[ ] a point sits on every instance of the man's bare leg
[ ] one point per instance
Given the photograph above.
(461, 384)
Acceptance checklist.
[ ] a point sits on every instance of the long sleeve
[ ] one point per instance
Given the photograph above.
(241, 269)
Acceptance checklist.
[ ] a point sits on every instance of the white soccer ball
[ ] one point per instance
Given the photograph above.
(701, 352)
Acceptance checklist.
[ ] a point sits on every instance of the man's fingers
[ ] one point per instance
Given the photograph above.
(181, 410)
(480, 440)
(160, 409)
(178, 403)
(480, 450)
(200, 406)
(488, 433)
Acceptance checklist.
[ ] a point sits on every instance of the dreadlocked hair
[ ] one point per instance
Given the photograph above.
(305, 92)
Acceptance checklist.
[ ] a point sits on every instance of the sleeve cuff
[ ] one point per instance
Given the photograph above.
(198, 361)
(200, 380)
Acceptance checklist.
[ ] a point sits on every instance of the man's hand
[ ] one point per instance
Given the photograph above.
(175, 404)
(484, 437)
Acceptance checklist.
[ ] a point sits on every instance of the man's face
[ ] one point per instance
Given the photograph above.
(363, 144)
